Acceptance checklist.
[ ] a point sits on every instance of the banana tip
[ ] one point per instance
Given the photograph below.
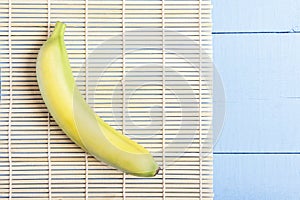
(59, 29)
(157, 171)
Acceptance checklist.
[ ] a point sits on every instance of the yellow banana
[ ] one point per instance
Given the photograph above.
(77, 119)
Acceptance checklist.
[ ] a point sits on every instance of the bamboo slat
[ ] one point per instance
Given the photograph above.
(162, 51)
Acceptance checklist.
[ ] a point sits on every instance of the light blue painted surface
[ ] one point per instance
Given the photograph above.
(256, 15)
(261, 78)
(257, 177)
(261, 75)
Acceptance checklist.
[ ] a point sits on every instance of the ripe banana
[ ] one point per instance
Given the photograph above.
(77, 119)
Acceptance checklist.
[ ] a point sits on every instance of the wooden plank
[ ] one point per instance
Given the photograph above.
(260, 177)
(260, 74)
(255, 15)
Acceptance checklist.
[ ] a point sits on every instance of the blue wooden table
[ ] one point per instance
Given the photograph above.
(257, 53)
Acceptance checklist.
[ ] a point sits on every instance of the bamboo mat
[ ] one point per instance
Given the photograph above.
(144, 67)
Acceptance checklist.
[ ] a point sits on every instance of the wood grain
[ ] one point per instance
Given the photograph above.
(252, 177)
(260, 75)
(256, 15)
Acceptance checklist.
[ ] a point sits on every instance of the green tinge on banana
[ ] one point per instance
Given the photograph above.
(77, 119)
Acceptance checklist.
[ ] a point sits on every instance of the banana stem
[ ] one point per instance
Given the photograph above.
(59, 29)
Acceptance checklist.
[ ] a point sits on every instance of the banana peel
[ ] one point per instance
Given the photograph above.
(75, 117)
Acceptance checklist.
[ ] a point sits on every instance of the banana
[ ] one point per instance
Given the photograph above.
(74, 116)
